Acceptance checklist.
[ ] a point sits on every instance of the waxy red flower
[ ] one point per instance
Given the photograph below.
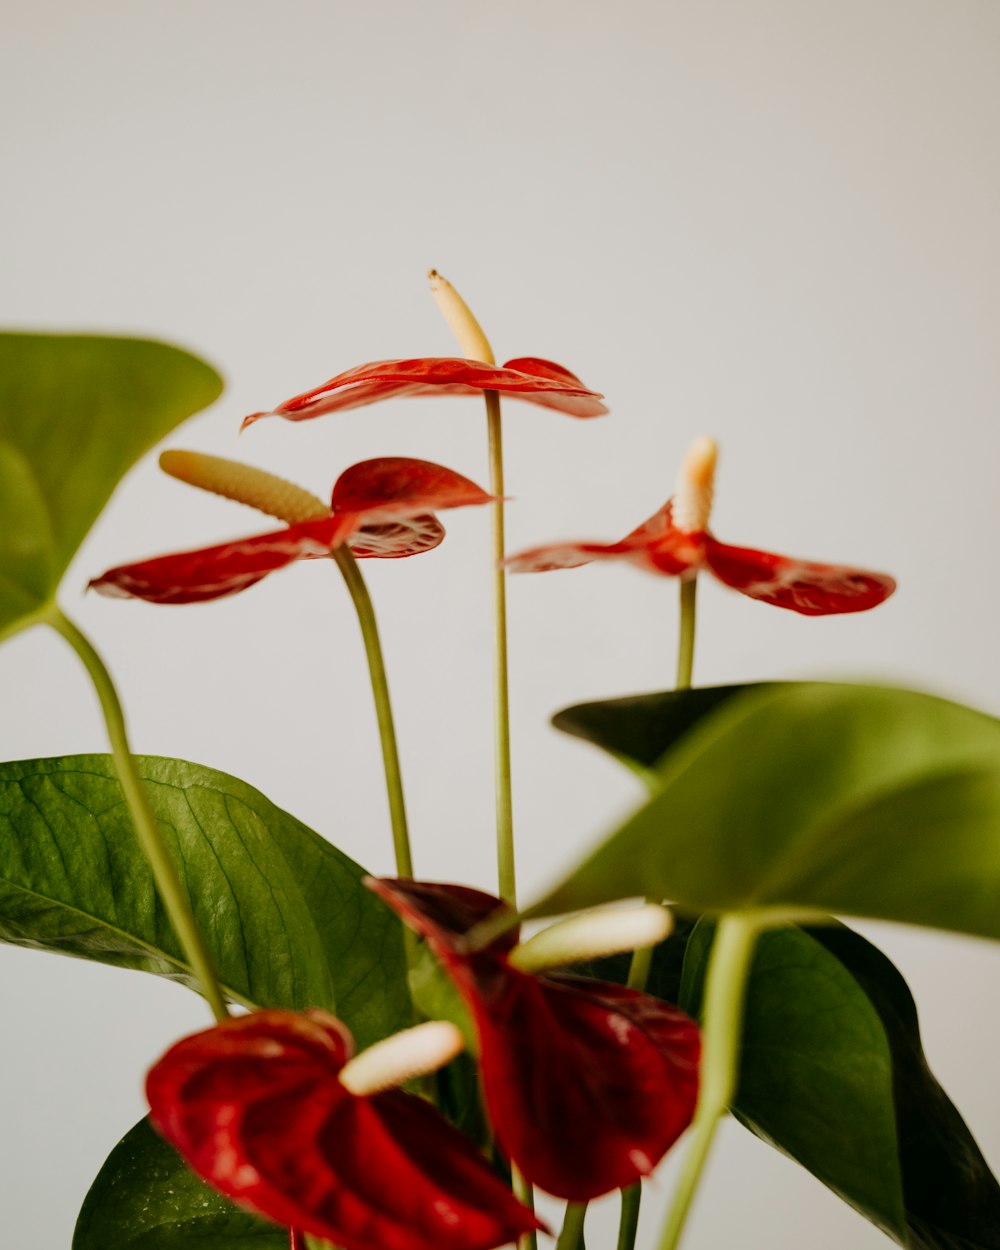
(587, 1084)
(675, 541)
(381, 509)
(527, 377)
(255, 1106)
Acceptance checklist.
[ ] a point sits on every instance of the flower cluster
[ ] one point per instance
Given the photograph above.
(586, 1083)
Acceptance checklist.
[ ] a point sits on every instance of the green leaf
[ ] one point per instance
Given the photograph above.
(285, 914)
(832, 1073)
(952, 1197)
(639, 729)
(76, 412)
(815, 797)
(816, 1073)
(145, 1198)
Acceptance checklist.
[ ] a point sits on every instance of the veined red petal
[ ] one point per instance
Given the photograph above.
(380, 490)
(552, 556)
(656, 546)
(803, 586)
(537, 381)
(403, 536)
(212, 572)
(587, 1084)
(256, 1107)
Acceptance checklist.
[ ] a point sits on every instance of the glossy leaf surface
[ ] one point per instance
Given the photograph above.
(145, 1197)
(76, 412)
(952, 1198)
(846, 799)
(816, 1076)
(283, 912)
(833, 1074)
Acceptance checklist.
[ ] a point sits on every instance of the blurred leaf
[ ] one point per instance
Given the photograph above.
(76, 412)
(817, 797)
(145, 1198)
(639, 729)
(816, 1073)
(284, 913)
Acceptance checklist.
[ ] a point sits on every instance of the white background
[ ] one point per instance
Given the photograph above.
(774, 222)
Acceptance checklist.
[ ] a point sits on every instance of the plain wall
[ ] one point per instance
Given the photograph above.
(769, 221)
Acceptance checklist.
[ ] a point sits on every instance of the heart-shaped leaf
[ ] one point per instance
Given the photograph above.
(832, 1073)
(836, 798)
(284, 913)
(146, 1198)
(815, 1069)
(640, 728)
(952, 1198)
(76, 412)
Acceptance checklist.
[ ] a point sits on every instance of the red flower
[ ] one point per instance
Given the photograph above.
(676, 541)
(587, 1084)
(256, 1107)
(528, 378)
(380, 509)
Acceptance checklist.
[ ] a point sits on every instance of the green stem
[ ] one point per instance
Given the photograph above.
(685, 645)
(725, 990)
(175, 900)
(501, 703)
(383, 708)
(628, 1224)
(642, 960)
(506, 875)
(571, 1233)
(523, 1192)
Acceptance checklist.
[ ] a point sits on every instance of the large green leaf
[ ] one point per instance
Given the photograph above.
(832, 1073)
(952, 1198)
(852, 799)
(640, 728)
(816, 1069)
(76, 412)
(285, 915)
(146, 1198)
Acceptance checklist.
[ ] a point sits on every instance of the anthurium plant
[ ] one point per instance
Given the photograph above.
(400, 1064)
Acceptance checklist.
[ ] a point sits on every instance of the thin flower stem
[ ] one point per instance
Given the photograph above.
(168, 884)
(571, 1233)
(685, 645)
(383, 708)
(524, 1193)
(505, 824)
(642, 960)
(628, 1225)
(725, 991)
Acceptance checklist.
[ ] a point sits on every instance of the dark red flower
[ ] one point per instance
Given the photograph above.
(675, 541)
(587, 1084)
(527, 377)
(256, 1107)
(380, 509)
